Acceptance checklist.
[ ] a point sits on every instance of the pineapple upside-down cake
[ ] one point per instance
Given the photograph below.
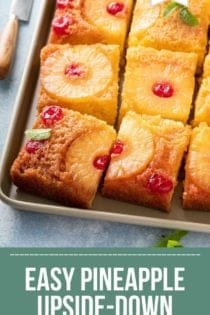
(68, 165)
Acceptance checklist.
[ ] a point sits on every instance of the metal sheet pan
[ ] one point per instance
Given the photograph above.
(104, 209)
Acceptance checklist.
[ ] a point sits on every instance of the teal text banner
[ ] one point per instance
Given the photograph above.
(105, 281)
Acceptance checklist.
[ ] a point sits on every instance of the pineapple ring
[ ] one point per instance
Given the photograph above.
(146, 17)
(98, 73)
(93, 143)
(138, 150)
(95, 12)
(199, 159)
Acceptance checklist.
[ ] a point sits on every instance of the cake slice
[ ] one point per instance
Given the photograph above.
(151, 28)
(202, 104)
(159, 83)
(91, 21)
(82, 78)
(145, 161)
(206, 67)
(65, 157)
(197, 180)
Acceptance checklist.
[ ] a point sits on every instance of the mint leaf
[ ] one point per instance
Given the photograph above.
(38, 134)
(173, 244)
(175, 236)
(187, 17)
(171, 7)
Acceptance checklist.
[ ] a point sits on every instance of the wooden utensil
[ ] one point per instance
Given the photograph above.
(20, 10)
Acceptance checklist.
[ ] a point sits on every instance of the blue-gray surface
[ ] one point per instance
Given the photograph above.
(30, 229)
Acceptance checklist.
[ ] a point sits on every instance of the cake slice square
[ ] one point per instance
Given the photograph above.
(206, 67)
(145, 161)
(197, 179)
(65, 157)
(82, 78)
(91, 21)
(202, 104)
(159, 82)
(151, 28)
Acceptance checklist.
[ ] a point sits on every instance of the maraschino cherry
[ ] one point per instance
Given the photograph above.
(114, 8)
(158, 183)
(163, 89)
(101, 162)
(62, 4)
(33, 145)
(117, 148)
(74, 70)
(51, 114)
(61, 24)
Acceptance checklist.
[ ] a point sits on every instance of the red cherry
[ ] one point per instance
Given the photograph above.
(61, 24)
(159, 184)
(51, 114)
(62, 4)
(117, 148)
(33, 145)
(74, 70)
(163, 89)
(101, 162)
(114, 8)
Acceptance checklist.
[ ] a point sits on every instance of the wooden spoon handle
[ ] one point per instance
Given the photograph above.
(7, 46)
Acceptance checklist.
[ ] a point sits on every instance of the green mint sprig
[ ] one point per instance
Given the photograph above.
(173, 244)
(186, 16)
(172, 240)
(170, 8)
(38, 134)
